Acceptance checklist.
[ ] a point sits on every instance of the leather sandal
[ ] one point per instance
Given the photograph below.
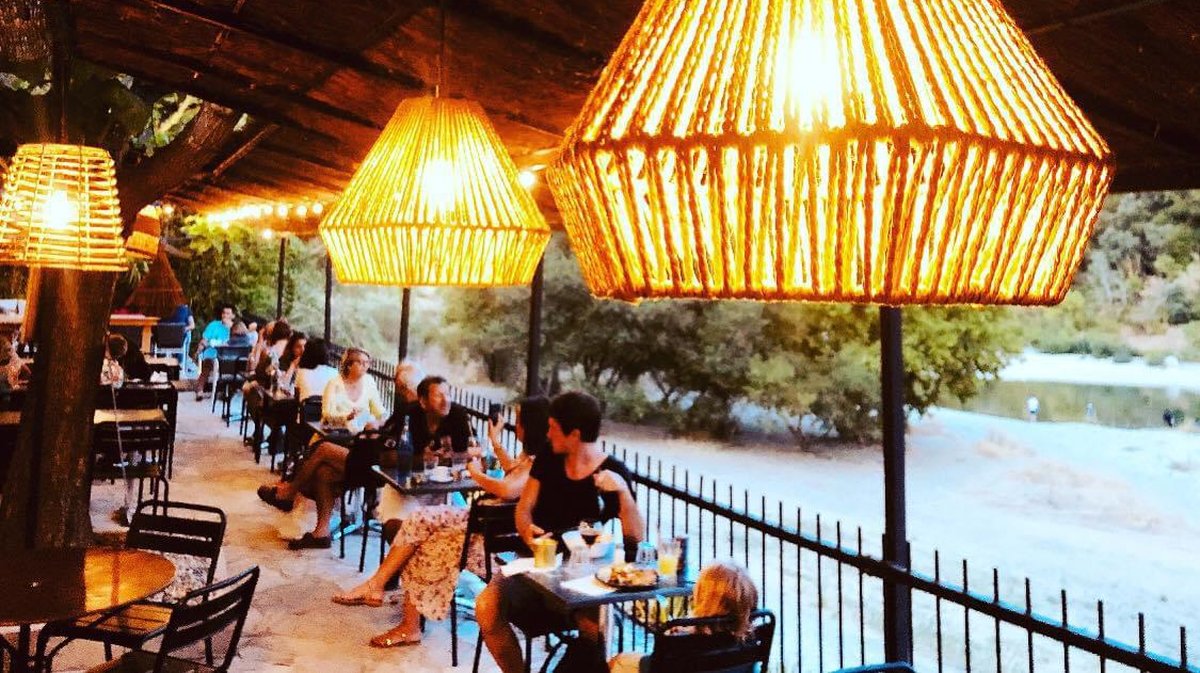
(398, 636)
(368, 601)
(310, 541)
(268, 495)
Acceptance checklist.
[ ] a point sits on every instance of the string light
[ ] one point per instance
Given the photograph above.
(527, 178)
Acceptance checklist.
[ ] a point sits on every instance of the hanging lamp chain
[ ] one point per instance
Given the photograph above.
(441, 56)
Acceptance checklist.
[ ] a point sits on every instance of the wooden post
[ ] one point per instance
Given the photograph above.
(402, 347)
(533, 358)
(279, 277)
(328, 297)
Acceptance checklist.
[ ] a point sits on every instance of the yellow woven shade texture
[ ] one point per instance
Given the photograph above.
(60, 209)
(436, 202)
(899, 152)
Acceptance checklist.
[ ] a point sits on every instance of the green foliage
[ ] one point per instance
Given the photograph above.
(227, 265)
(687, 363)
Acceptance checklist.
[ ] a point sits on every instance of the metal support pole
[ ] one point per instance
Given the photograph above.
(279, 278)
(328, 297)
(897, 599)
(533, 358)
(402, 346)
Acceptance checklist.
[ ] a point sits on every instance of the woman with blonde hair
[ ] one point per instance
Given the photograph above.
(724, 589)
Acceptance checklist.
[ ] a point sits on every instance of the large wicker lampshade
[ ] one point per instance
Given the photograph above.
(904, 152)
(60, 210)
(436, 201)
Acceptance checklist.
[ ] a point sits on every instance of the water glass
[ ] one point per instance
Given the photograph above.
(646, 554)
(668, 557)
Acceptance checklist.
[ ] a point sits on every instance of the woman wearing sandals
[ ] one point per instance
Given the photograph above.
(426, 549)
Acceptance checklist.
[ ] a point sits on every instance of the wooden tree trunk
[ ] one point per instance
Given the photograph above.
(48, 490)
(47, 494)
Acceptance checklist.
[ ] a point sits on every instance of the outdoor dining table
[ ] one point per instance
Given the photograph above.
(55, 584)
(567, 590)
(11, 419)
(396, 479)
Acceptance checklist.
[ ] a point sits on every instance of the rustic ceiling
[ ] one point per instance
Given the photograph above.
(320, 83)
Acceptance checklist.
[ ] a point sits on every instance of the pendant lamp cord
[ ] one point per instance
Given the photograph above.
(441, 56)
(61, 71)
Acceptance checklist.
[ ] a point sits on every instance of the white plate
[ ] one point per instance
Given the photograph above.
(441, 479)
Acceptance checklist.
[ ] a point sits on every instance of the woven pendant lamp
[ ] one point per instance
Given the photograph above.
(60, 210)
(436, 202)
(907, 152)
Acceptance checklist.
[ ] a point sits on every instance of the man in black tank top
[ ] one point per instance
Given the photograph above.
(577, 481)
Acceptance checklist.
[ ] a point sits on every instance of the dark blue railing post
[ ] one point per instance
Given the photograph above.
(897, 597)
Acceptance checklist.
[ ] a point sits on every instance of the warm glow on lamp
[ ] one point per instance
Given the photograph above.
(60, 210)
(903, 152)
(528, 179)
(436, 201)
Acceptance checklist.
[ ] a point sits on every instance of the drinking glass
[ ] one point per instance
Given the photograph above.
(645, 554)
(431, 463)
(668, 557)
(589, 532)
(544, 552)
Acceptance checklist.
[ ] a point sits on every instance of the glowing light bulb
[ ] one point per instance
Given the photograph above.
(168, 210)
(438, 184)
(264, 210)
(59, 212)
(527, 178)
(281, 210)
(301, 210)
(318, 208)
(268, 234)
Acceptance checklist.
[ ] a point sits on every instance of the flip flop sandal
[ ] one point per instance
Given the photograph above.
(367, 601)
(396, 638)
(309, 541)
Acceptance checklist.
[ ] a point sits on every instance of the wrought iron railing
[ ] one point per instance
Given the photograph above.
(824, 582)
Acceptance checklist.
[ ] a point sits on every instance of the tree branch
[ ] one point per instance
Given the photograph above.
(172, 165)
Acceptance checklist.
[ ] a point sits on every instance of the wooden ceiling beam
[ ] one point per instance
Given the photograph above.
(242, 150)
(1088, 17)
(1131, 122)
(293, 155)
(229, 21)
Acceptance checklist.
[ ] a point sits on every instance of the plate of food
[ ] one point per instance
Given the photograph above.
(628, 576)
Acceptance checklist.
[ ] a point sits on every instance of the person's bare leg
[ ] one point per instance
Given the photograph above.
(325, 497)
(325, 455)
(396, 557)
(407, 632)
(497, 634)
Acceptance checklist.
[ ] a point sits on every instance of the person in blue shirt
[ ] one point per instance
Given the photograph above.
(216, 333)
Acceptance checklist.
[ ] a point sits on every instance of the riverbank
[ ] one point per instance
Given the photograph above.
(1032, 365)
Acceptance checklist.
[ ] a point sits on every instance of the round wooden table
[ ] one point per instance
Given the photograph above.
(56, 584)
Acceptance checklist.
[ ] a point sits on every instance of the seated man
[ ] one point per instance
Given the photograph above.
(436, 417)
(578, 481)
(216, 333)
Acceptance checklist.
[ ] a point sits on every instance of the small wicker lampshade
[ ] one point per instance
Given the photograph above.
(906, 152)
(436, 202)
(60, 210)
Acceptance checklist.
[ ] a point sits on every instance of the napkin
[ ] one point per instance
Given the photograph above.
(524, 564)
(588, 585)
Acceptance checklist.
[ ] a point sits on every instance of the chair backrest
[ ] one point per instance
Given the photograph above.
(168, 334)
(132, 334)
(495, 521)
(310, 409)
(179, 528)
(206, 612)
(700, 653)
(150, 440)
(232, 359)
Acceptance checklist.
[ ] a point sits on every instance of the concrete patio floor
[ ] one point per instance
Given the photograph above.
(292, 626)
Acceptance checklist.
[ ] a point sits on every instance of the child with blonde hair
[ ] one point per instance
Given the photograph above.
(724, 589)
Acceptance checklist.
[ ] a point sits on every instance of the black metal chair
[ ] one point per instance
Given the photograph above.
(231, 374)
(201, 615)
(699, 653)
(167, 338)
(495, 521)
(133, 450)
(888, 667)
(164, 527)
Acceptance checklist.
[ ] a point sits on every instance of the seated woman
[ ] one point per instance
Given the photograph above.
(270, 349)
(289, 362)
(111, 372)
(351, 400)
(430, 540)
(724, 589)
(313, 372)
(239, 335)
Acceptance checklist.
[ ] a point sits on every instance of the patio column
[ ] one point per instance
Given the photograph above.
(402, 346)
(279, 278)
(533, 358)
(897, 599)
(328, 296)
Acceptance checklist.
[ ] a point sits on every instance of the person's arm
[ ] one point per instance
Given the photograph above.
(506, 461)
(332, 408)
(460, 428)
(632, 524)
(523, 516)
(509, 487)
(374, 404)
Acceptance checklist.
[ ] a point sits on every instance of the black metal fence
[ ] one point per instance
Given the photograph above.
(824, 582)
